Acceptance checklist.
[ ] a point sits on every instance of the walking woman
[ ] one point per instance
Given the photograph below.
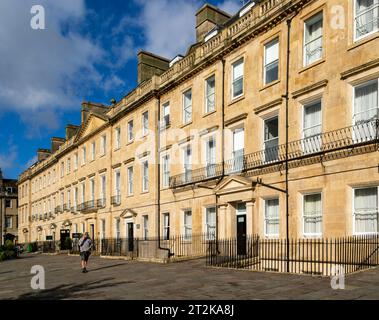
(85, 245)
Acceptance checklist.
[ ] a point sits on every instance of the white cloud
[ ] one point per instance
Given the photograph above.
(169, 26)
(45, 71)
(8, 158)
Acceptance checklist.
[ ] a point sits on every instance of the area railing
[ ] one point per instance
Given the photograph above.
(321, 256)
(360, 134)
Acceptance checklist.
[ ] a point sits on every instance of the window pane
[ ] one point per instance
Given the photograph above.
(313, 39)
(366, 103)
(366, 210)
(312, 214)
(272, 217)
(272, 52)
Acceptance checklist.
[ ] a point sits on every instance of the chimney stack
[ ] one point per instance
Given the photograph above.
(43, 154)
(207, 18)
(149, 65)
(56, 143)
(71, 131)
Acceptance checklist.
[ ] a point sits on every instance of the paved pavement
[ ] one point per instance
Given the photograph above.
(118, 279)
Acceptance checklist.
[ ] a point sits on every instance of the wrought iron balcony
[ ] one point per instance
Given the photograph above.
(101, 203)
(116, 200)
(88, 206)
(58, 209)
(361, 134)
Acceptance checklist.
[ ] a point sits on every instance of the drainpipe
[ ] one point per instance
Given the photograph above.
(223, 146)
(158, 158)
(289, 21)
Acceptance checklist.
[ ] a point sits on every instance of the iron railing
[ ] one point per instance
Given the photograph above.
(361, 134)
(116, 200)
(87, 206)
(58, 209)
(322, 257)
(101, 203)
(136, 248)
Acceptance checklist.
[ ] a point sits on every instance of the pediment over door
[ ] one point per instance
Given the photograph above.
(128, 214)
(233, 184)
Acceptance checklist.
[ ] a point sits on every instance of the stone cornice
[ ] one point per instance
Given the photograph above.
(267, 106)
(356, 70)
(242, 116)
(312, 87)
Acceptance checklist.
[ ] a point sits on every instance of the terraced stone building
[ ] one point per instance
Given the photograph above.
(267, 125)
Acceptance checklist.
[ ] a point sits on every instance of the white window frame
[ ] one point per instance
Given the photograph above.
(103, 144)
(145, 219)
(117, 185)
(356, 38)
(68, 166)
(118, 138)
(210, 164)
(364, 84)
(233, 81)
(8, 225)
(265, 142)
(92, 189)
(76, 161)
(353, 209)
(130, 173)
(303, 129)
(312, 235)
(165, 121)
(166, 170)
(117, 228)
(145, 176)
(187, 167)
(186, 226)
(84, 155)
(266, 65)
(208, 226)
(187, 109)
(130, 133)
(265, 202)
(166, 227)
(208, 95)
(305, 24)
(145, 121)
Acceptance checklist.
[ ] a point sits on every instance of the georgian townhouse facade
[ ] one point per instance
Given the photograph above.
(268, 125)
(8, 210)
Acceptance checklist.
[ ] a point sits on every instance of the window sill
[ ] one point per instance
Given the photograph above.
(209, 113)
(164, 128)
(117, 149)
(130, 142)
(310, 66)
(185, 125)
(235, 100)
(362, 41)
(271, 84)
(145, 192)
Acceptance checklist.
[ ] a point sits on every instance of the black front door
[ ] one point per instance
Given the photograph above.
(64, 235)
(241, 234)
(130, 237)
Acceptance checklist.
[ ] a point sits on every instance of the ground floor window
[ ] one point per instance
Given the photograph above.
(272, 218)
(166, 226)
(366, 210)
(187, 224)
(210, 223)
(312, 214)
(145, 227)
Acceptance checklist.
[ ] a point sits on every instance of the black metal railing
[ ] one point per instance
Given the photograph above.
(87, 206)
(116, 200)
(101, 203)
(306, 256)
(350, 137)
(181, 246)
(58, 209)
(66, 207)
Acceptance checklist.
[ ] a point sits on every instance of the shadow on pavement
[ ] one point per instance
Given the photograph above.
(71, 291)
(106, 267)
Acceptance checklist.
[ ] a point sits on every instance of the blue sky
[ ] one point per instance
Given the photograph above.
(87, 52)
